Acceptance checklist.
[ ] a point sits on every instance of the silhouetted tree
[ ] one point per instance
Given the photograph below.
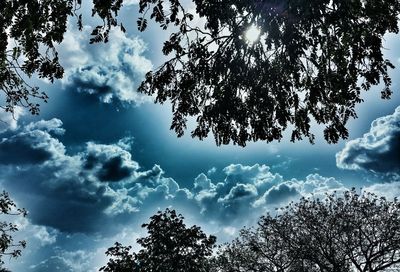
(29, 30)
(305, 60)
(170, 247)
(337, 234)
(7, 245)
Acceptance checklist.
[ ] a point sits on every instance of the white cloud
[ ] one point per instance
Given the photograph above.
(9, 121)
(130, 2)
(377, 151)
(45, 236)
(112, 71)
(67, 261)
(388, 190)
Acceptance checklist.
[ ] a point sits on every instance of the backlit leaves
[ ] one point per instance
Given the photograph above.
(29, 31)
(311, 63)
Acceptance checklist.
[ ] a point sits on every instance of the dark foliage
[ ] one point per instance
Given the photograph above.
(311, 62)
(337, 234)
(29, 30)
(7, 245)
(170, 247)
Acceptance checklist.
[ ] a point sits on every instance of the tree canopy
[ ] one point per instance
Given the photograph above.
(301, 61)
(29, 31)
(169, 247)
(246, 70)
(350, 233)
(7, 245)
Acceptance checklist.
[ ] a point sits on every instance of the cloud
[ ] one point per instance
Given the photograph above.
(58, 189)
(234, 198)
(9, 121)
(130, 2)
(112, 71)
(45, 236)
(388, 190)
(101, 189)
(278, 194)
(377, 150)
(54, 125)
(32, 145)
(211, 171)
(79, 197)
(249, 191)
(108, 162)
(239, 192)
(66, 261)
(98, 189)
(317, 185)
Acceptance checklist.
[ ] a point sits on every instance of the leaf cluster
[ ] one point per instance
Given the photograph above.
(29, 31)
(169, 247)
(311, 63)
(7, 245)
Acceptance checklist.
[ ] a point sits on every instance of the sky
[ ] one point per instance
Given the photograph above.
(100, 159)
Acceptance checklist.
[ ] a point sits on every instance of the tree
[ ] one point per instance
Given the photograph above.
(337, 234)
(170, 247)
(29, 30)
(301, 61)
(7, 245)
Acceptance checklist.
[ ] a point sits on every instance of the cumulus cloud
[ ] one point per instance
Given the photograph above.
(102, 188)
(249, 191)
(278, 194)
(33, 144)
(108, 162)
(378, 150)
(229, 199)
(112, 72)
(44, 235)
(97, 189)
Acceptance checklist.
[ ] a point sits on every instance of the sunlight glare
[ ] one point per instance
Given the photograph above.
(252, 34)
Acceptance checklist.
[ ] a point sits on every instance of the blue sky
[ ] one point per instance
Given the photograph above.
(100, 158)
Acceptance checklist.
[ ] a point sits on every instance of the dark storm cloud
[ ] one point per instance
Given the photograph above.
(58, 190)
(108, 162)
(111, 72)
(32, 145)
(96, 190)
(102, 188)
(57, 196)
(101, 191)
(113, 170)
(378, 150)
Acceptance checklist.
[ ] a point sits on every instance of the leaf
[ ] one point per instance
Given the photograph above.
(142, 24)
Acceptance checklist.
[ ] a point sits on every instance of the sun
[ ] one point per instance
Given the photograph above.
(252, 34)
